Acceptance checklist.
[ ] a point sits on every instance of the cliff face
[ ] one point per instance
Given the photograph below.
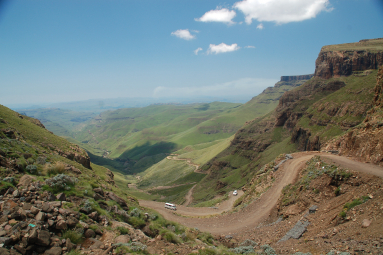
(364, 142)
(297, 77)
(344, 59)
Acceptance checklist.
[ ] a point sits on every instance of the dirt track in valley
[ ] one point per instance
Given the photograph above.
(258, 211)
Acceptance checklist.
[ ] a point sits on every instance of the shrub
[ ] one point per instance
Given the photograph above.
(40, 160)
(205, 237)
(170, 236)
(243, 250)
(136, 222)
(135, 212)
(53, 169)
(355, 202)
(31, 169)
(74, 252)
(342, 214)
(74, 236)
(337, 191)
(123, 231)
(61, 182)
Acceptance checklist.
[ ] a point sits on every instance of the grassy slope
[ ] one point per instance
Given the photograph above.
(30, 145)
(235, 166)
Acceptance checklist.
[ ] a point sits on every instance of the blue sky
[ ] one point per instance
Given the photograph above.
(70, 50)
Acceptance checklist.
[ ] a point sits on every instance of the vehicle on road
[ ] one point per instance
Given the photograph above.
(235, 192)
(170, 206)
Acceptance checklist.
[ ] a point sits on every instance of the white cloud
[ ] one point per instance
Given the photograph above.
(219, 15)
(184, 34)
(281, 11)
(197, 50)
(222, 48)
(250, 47)
(241, 87)
(260, 26)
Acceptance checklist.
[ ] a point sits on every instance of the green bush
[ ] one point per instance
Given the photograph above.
(74, 252)
(74, 236)
(170, 236)
(206, 237)
(342, 214)
(123, 231)
(136, 222)
(355, 202)
(337, 191)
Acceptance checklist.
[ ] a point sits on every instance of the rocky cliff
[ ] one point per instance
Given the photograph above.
(365, 141)
(297, 77)
(344, 59)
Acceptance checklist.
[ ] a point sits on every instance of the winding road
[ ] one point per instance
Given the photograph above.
(258, 211)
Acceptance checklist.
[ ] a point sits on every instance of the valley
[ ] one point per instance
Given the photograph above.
(306, 157)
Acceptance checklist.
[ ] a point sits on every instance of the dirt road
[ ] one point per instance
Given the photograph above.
(259, 210)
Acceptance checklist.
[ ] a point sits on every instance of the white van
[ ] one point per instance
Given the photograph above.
(170, 206)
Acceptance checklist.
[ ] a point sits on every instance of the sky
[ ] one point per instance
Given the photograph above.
(71, 50)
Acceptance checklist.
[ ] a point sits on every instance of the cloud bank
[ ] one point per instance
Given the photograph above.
(222, 48)
(219, 15)
(281, 11)
(183, 34)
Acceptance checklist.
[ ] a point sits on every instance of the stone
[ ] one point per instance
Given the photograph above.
(71, 221)
(99, 191)
(97, 196)
(122, 239)
(55, 204)
(84, 225)
(27, 206)
(54, 251)
(5, 240)
(61, 197)
(313, 209)
(116, 198)
(61, 224)
(39, 237)
(69, 245)
(34, 210)
(16, 193)
(366, 223)
(297, 231)
(25, 180)
(4, 251)
(89, 233)
(40, 216)
(94, 216)
(47, 208)
(20, 249)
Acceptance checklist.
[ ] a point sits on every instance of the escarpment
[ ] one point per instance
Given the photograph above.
(365, 141)
(346, 59)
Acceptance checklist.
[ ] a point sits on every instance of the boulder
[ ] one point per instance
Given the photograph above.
(40, 216)
(25, 180)
(54, 251)
(116, 198)
(61, 197)
(122, 239)
(61, 224)
(39, 237)
(366, 223)
(89, 233)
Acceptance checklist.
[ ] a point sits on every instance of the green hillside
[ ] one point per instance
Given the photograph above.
(305, 118)
(132, 140)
